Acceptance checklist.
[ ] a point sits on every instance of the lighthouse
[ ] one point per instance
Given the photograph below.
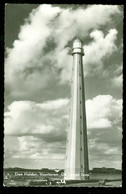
(76, 161)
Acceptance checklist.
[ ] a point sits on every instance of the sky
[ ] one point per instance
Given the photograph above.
(38, 67)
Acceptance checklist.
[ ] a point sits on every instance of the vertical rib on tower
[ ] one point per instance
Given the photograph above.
(76, 166)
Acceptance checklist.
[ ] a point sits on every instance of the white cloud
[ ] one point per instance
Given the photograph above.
(103, 111)
(23, 66)
(78, 25)
(26, 117)
(100, 48)
(32, 38)
(55, 104)
(28, 69)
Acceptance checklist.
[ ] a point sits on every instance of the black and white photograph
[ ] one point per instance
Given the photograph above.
(63, 95)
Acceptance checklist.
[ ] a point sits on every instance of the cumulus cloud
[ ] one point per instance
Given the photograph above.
(40, 54)
(98, 50)
(51, 117)
(103, 111)
(26, 117)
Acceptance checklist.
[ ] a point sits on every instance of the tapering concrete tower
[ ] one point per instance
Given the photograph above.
(76, 166)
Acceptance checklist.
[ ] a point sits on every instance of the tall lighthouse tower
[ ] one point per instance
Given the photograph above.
(76, 164)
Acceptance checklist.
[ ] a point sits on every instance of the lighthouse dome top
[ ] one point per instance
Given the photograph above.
(77, 43)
